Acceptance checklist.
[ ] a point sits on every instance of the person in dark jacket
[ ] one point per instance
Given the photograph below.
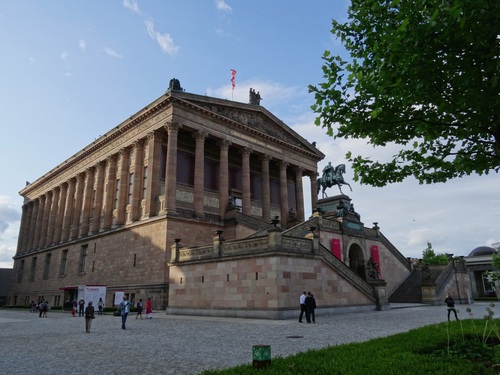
(89, 315)
(310, 306)
(450, 303)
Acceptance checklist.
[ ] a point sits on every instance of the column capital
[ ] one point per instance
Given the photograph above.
(299, 170)
(246, 151)
(224, 144)
(265, 158)
(172, 126)
(138, 143)
(283, 164)
(111, 158)
(200, 135)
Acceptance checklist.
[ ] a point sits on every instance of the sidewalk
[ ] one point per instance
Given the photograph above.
(169, 344)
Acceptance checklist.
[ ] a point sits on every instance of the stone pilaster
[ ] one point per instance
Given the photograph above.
(121, 208)
(61, 206)
(153, 178)
(246, 194)
(199, 173)
(266, 189)
(109, 192)
(77, 209)
(283, 193)
(70, 203)
(87, 202)
(135, 205)
(53, 215)
(171, 167)
(314, 189)
(223, 177)
(34, 215)
(23, 229)
(99, 188)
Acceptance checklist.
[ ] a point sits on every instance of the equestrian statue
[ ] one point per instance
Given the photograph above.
(331, 177)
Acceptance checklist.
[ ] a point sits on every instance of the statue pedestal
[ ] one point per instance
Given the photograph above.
(328, 207)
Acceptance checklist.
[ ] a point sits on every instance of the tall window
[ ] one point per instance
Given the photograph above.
(20, 272)
(117, 192)
(64, 263)
(130, 186)
(46, 268)
(144, 182)
(33, 269)
(83, 258)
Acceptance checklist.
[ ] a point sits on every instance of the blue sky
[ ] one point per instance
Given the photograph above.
(71, 71)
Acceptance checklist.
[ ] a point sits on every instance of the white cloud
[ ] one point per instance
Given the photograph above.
(112, 53)
(165, 41)
(223, 6)
(82, 44)
(10, 217)
(31, 60)
(64, 55)
(131, 5)
(67, 74)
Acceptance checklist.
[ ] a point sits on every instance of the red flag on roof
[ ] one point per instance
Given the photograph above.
(233, 76)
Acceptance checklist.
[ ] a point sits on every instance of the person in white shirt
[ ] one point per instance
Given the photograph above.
(302, 301)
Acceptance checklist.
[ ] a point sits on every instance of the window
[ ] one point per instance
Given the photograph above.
(144, 182)
(33, 269)
(46, 268)
(64, 263)
(130, 186)
(83, 258)
(117, 192)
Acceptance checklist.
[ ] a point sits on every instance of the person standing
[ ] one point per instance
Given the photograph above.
(89, 315)
(450, 303)
(81, 307)
(125, 310)
(100, 305)
(149, 309)
(139, 309)
(302, 301)
(310, 306)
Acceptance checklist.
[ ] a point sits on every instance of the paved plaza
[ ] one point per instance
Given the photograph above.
(169, 344)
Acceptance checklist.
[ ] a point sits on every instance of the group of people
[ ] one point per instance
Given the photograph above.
(126, 306)
(41, 307)
(307, 306)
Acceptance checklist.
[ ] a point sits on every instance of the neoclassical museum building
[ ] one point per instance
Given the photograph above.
(198, 203)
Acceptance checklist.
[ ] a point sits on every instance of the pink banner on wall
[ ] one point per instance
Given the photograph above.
(336, 248)
(376, 258)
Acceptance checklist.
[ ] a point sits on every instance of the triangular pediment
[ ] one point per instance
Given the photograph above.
(254, 117)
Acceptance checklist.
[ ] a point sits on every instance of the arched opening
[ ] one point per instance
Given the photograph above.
(357, 261)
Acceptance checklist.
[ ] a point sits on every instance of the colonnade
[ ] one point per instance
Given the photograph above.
(125, 188)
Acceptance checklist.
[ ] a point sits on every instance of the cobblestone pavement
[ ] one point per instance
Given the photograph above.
(169, 344)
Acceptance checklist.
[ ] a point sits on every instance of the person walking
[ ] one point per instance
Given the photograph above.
(89, 315)
(139, 309)
(149, 309)
(450, 303)
(124, 310)
(310, 306)
(302, 301)
(81, 307)
(100, 305)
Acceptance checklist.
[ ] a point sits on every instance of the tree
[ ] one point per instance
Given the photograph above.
(422, 75)
(429, 256)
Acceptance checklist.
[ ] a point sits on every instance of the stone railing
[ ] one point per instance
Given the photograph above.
(346, 272)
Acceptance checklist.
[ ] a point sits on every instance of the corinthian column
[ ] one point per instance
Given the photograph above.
(283, 193)
(199, 173)
(153, 174)
(299, 193)
(314, 190)
(87, 201)
(77, 209)
(39, 222)
(96, 210)
(110, 192)
(23, 229)
(266, 189)
(171, 167)
(53, 215)
(68, 215)
(123, 188)
(223, 177)
(61, 206)
(135, 205)
(245, 181)
(34, 215)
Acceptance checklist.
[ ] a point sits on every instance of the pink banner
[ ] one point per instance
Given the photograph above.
(337, 253)
(376, 258)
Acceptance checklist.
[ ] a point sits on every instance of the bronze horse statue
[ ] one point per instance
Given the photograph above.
(331, 177)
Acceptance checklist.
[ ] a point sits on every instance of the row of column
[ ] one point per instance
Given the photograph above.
(88, 202)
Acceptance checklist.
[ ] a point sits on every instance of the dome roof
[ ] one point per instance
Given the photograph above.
(482, 250)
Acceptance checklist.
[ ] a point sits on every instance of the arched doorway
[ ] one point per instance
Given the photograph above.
(357, 261)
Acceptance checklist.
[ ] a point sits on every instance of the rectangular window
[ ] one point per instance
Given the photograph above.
(117, 192)
(144, 182)
(130, 187)
(20, 272)
(64, 263)
(33, 269)
(83, 258)
(46, 268)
